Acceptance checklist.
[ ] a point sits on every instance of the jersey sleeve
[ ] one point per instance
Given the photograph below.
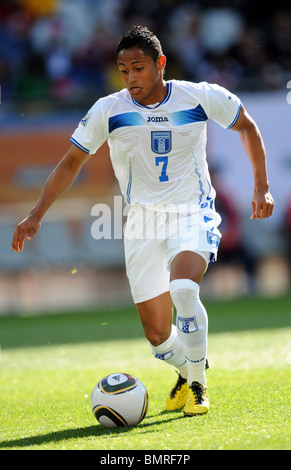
(221, 105)
(91, 132)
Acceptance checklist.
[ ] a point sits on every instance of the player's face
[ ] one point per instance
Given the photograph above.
(142, 76)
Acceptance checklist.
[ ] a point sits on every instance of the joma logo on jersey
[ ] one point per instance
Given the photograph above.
(157, 119)
(161, 141)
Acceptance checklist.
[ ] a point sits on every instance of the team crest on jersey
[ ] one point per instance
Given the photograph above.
(161, 141)
(85, 118)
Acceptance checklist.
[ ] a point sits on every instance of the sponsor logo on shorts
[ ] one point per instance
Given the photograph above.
(213, 239)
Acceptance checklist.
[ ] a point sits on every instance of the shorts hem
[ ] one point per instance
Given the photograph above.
(208, 256)
(143, 298)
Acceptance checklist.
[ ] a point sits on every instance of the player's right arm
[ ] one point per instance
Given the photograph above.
(59, 180)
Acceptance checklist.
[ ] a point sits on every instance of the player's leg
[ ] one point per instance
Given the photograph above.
(157, 319)
(156, 315)
(149, 276)
(187, 270)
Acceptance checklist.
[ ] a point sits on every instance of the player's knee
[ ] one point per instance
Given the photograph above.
(157, 331)
(157, 334)
(185, 296)
(156, 338)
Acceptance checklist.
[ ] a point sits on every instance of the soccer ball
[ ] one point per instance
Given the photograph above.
(119, 400)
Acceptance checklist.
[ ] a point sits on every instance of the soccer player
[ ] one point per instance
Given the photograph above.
(156, 131)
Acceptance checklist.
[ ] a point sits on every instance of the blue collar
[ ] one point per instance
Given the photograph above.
(168, 94)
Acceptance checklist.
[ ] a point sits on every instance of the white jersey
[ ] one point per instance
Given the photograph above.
(158, 152)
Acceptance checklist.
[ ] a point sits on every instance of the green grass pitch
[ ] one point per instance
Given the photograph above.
(50, 364)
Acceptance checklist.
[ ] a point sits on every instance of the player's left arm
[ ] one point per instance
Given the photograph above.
(262, 201)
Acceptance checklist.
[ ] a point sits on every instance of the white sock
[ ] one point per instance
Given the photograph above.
(192, 327)
(171, 351)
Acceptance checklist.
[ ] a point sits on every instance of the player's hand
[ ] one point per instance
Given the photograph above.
(262, 205)
(24, 230)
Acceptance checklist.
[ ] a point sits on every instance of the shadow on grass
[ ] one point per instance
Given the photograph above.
(79, 433)
(123, 323)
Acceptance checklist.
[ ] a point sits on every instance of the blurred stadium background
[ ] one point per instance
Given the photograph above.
(56, 60)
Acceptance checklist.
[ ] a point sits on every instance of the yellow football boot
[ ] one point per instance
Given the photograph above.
(178, 395)
(197, 402)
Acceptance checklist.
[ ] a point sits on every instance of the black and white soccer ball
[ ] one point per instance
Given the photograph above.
(119, 400)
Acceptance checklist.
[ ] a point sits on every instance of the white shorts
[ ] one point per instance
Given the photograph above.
(153, 238)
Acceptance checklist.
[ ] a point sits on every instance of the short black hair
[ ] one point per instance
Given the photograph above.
(142, 37)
